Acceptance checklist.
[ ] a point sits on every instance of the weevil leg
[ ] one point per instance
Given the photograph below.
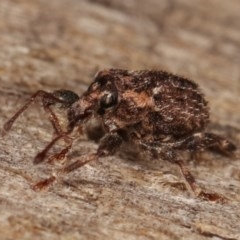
(189, 178)
(109, 144)
(62, 154)
(65, 98)
(43, 184)
(53, 119)
(198, 192)
(206, 141)
(40, 157)
(219, 144)
(46, 98)
(169, 155)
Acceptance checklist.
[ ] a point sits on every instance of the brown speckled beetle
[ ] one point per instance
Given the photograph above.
(160, 112)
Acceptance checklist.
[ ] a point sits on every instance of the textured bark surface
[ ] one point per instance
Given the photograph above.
(61, 44)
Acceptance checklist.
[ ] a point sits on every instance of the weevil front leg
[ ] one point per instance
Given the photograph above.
(47, 100)
(65, 98)
(58, 156)
(62, 97)
(109, 144)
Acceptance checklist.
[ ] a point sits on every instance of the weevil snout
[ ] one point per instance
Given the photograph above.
(80, 111)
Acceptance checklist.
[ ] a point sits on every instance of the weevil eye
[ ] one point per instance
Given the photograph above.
(108, 100)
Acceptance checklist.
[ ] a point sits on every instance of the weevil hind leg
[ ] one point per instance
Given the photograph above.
(206, 141)
(169, 155)
(220, 145)
(190, 180)
(197, 190)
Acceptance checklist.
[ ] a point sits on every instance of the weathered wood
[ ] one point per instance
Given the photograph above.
(62, 44)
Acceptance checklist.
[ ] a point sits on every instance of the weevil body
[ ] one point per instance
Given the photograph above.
(158, 111)
(155, 105)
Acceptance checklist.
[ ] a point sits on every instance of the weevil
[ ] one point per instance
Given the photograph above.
(162, 113)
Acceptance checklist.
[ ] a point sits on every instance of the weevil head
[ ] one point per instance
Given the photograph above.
(101, 96)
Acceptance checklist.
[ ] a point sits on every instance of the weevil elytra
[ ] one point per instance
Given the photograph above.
(162, 113)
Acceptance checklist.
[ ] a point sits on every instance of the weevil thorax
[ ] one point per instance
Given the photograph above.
(120, 104)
